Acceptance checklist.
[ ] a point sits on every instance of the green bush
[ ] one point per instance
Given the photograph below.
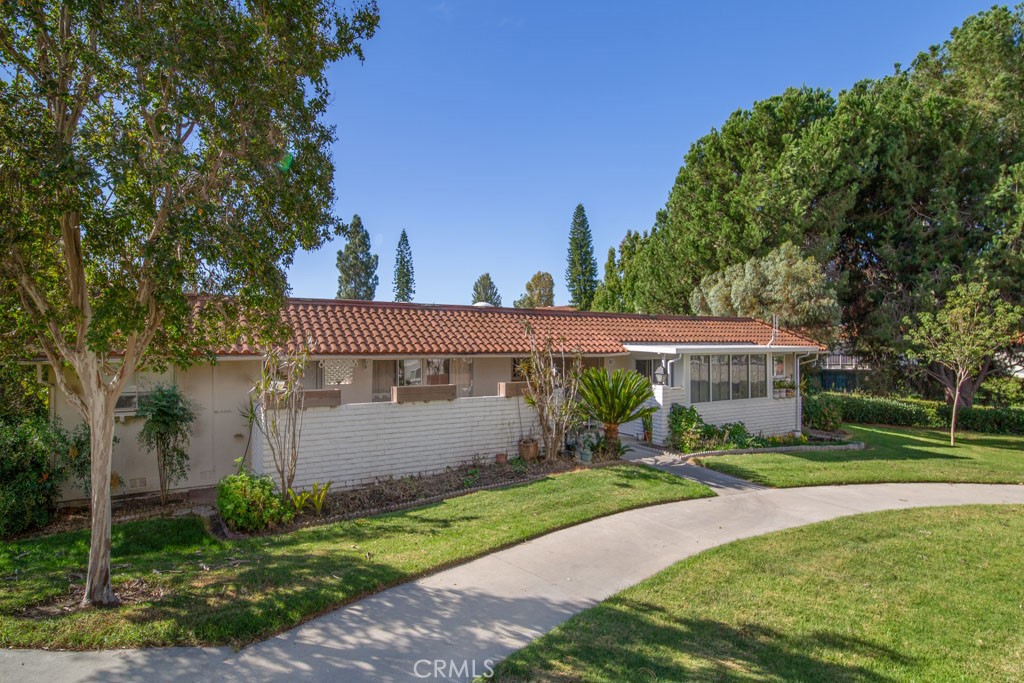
(913, 412)
(1001, 392)
(248, 503)
(822, 411)
(688, 433)
(32, 467)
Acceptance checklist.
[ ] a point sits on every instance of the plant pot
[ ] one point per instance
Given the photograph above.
(529, 449)
(790, 393)
(585, 456)
(501, 458)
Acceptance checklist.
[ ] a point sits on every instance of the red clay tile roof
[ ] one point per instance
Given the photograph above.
(367, 328)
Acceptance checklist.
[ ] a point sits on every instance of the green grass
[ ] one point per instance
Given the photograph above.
(893, 454)
(235, 592)
(919, 595)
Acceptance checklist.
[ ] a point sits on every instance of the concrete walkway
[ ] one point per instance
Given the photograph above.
(721, 484)
(480, 612)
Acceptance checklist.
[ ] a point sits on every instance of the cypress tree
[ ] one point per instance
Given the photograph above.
(405, 282)
(581, 272)
(357, 267)
(485, 290)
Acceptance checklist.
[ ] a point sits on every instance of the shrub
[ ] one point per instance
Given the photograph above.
(169, 417)
(913, 412)
(689, 433)
(248, 503)
(32, 457)
(1001, 392)
(685, 428)
(822, 411)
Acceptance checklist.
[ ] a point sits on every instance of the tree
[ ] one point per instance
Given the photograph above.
(405, 281)
(161, 164)
(608, 295)
(552, 375)
(783, 283)
(581, 271)
(726, 205)
(540, 292)
(281, 397)
(357, 267)
(485, 290)
(615, 399)
(169, 416)
(973, 325)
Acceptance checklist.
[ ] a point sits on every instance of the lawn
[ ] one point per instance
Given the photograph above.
(920, 595)
(193, 589)
(893, 454)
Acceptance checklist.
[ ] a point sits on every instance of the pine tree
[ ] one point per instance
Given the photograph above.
(405, 281)
(485, 290)
(581, 272)
(540, 292)
(608, 296)
(357, 267)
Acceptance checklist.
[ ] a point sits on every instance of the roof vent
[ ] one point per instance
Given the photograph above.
(483, 304)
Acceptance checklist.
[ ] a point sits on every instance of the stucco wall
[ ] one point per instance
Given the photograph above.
(359, 443)
(487, 372)
(219, 433)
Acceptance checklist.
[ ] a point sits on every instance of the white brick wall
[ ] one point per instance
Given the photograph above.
(767, 416)
(358, 443)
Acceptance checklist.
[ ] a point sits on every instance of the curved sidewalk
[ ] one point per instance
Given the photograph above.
(485, 609)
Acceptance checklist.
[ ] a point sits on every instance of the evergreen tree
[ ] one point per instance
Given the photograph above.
(405, 281)
(485, 290)
(540, 292)
(357, 267)
(608, 296)
(581, 272)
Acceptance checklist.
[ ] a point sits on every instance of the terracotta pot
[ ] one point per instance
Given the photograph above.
(501, 458)
(529, 449)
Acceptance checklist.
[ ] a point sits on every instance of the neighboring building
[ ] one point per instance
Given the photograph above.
(841, 370)
(396, 388)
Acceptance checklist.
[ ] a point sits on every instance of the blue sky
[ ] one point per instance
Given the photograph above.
(478, 125)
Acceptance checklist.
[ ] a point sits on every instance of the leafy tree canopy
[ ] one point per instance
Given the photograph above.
(783, 283)
(540, 292)
(161, 163)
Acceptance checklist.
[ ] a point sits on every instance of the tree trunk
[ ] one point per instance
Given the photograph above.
(952, 417)
(611, 435)
(98, 589)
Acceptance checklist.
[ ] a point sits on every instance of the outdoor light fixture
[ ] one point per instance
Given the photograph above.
(659, 374)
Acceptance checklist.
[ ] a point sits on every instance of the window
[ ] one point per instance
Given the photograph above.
(462, 376)
(719, 378)
(758, 376)
(410, 372)
(313, 376)
(437, 371)
(778, 365)
(128, 402)
(740, 377)
(700, 379)
(653, 369)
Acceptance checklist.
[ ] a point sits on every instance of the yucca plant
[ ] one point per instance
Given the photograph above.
(615, 399)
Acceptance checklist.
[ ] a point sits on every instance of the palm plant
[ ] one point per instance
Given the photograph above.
(615, 399)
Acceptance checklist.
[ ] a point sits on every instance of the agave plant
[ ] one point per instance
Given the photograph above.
(615, 399)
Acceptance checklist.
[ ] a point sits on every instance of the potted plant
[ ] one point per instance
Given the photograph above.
(501, 458)
(529, 448)
(648, 422)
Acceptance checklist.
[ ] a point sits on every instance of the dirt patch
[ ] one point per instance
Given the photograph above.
(132, 591)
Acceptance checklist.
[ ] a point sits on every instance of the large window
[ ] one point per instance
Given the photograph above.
(438, 371)
(740, 376)
(653, 369)
(700, 379)
(719, 378)
(410, 372)
(728, 377)
(758, 376)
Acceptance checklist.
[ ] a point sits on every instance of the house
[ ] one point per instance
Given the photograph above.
(396, 388)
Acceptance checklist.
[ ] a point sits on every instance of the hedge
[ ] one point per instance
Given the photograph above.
(827, 409)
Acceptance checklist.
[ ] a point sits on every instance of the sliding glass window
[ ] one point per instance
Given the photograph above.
(719, 378)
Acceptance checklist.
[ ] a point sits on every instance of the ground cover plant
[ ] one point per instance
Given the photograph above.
(913, 595)
(892, 454)
(180, 586)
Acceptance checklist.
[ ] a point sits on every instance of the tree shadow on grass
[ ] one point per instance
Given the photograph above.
(625, 640)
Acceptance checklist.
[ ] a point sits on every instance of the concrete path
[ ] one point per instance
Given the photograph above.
(721, 484)
(441, 627)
